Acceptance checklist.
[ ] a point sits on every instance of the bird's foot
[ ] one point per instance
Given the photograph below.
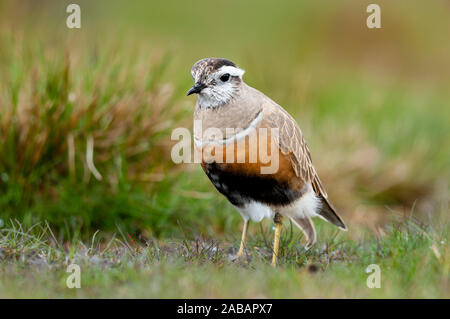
(237, 257)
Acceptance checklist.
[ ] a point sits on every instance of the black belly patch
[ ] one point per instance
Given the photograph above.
(241, 189)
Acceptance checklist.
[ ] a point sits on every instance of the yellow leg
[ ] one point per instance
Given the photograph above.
(243, 240)
(276, 241)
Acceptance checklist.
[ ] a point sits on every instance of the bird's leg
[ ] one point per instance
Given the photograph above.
(243, 240)
(276, 241)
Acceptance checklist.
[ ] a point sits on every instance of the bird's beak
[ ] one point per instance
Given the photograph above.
(197, 88)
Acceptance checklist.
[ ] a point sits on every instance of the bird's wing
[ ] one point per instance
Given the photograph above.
(291, 142)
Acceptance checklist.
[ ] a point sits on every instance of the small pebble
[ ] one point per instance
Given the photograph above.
(313, 268)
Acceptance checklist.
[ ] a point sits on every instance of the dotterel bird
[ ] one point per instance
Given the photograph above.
(228, 106)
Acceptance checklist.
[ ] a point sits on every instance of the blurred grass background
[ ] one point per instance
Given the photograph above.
(374, 106)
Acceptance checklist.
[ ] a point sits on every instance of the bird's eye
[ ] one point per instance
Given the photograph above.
(225, 77)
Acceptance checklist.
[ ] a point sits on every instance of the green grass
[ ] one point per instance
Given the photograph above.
(414, 262)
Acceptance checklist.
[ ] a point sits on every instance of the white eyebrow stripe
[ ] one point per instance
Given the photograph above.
(236, 137)
(234, 71)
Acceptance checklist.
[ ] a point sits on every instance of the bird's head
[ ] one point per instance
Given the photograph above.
(216, 81)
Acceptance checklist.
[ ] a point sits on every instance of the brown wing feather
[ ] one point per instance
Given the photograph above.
(292, 143)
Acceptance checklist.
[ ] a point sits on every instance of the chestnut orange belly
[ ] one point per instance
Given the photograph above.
(242, 181)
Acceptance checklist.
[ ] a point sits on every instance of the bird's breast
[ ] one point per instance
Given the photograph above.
(238, 169)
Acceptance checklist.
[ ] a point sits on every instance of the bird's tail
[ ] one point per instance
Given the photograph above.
(328, 213)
